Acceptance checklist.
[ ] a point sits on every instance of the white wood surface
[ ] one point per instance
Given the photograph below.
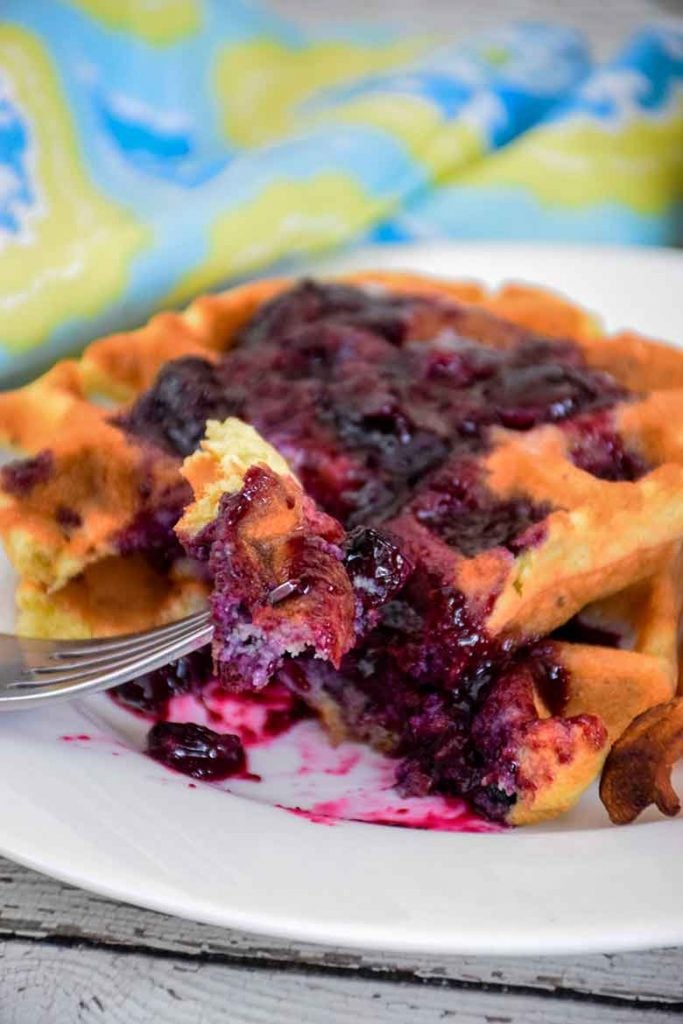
(46, 911)
(65, 984)
(68, 956)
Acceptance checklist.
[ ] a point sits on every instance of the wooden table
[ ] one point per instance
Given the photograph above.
(69, 956)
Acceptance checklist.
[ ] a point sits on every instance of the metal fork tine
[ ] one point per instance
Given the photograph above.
(79, 648)
(140, 643)
(126, 668)
(59, 672)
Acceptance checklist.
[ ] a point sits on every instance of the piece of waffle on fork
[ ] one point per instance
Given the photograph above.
(450, 520)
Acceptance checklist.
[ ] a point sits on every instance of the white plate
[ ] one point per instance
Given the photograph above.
(98, 814)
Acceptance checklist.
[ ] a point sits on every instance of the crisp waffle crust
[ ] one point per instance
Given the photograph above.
(92, 500)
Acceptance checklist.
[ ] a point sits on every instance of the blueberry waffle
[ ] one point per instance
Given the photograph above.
(448, 520)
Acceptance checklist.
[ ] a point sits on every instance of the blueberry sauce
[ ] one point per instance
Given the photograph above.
(257, 717)
(173, 414)
(365, 394)
(596, 447)
(383, 406)
(550, 393)
(68, 518)
(377, 569)
(151, 532)
(461, 742)
(455, 505)
(196, 751)
(21, 476)
(311, 302)
(149, 695)
(449, 815)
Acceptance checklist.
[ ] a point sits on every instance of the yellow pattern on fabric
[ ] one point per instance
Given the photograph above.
(287, 218)
(260, 84)
(159, 22)
(638, 164)
(73, 259)
(439, 147)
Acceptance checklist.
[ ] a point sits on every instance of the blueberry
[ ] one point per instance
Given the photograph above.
(195, 750)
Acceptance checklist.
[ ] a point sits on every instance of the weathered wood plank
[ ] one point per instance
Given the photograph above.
(42, 984)
(38, 907)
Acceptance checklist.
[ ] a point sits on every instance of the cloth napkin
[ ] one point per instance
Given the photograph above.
(149, 151)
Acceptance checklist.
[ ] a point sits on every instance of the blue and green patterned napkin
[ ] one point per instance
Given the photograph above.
(151, 151)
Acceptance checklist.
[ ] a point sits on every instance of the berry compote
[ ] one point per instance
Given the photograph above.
(196, 751)
(383, 406)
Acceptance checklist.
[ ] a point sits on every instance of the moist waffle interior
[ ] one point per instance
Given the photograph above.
(555, 522)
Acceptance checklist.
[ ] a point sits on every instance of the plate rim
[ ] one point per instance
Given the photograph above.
(531, 939)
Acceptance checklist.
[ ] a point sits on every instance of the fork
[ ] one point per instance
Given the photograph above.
(34, 672)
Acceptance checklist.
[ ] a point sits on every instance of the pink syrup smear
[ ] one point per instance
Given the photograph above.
(80, 738)
(257, 718)
(442, 814)
(345, 764)
(361, 779)
(319, 757)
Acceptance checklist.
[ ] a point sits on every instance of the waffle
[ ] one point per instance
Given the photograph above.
(115, 595)
(619, 683)
(564, 752)
(559, 742)
(591, 507)
(255, 548)
(97, 468)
